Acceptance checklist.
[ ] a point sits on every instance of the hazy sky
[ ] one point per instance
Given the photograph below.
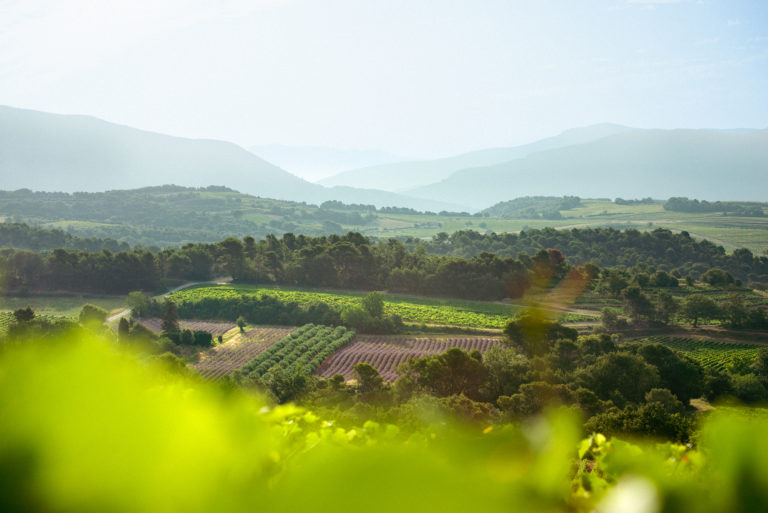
(413, 77)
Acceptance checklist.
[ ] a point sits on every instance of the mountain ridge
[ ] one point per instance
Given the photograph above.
(410, 174)
(638, 163)
(78, 153)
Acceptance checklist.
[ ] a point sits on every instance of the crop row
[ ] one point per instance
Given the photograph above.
(6, 319)
(387, 353)
(234, 354)
(305, 349)
(455, 313)
(215, 328)
(709, 353)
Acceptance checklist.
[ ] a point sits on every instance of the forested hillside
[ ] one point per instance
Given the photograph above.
(171, 215)
(22, 236)
(536, 207)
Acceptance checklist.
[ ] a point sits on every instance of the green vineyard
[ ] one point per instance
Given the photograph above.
(6, 319)
(305, 348)
(709, 353)
(456, 313)
(411, 309)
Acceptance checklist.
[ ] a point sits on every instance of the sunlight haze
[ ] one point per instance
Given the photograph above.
(424, 79)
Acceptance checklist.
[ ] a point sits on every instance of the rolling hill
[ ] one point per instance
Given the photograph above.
(402, 176)
(52, 152)
(705, 164)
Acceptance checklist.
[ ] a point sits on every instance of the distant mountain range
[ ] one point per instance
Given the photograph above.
(52, 152)
(402, 176)
(704, 164)
(314, 163)
(604, 160)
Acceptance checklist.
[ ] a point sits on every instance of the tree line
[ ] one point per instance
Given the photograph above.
(23, 236)
(350, 261)
(744, 209)
(609, 247)
(465, 265)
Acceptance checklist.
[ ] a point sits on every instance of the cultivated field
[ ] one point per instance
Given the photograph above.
(6, 318)
(241, 349)
(476, 314)
(730, 231)
(215, 328)
(712, 354)
(303, 350)
(385, 353)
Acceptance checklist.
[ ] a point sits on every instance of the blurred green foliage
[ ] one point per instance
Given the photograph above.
(87, 426)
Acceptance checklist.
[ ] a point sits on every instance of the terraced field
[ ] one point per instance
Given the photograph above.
(215, 328)
(710, 353)
(234, 354)
(385, 353)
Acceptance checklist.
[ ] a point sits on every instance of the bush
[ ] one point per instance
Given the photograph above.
(203, 338)
(189, 337)
(92, 314)
(368, 378)
(717, 278)
(749, 389)
(662, 279)
(169, 362)
(358, 318)
(651, 419)
(373, 303)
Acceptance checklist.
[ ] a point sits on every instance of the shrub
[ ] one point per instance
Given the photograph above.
(92, 314)
(749, 389)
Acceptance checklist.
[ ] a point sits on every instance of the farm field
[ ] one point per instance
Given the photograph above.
(6, 318)
(304, 349)
(59, 306)
(241, 349)
(385, 353)
(209, 216)
(412, 309)
(730, 231)
(215, 328)
(712, 354)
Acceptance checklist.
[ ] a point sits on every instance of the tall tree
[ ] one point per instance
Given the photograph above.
(368, 378)
(697, 307)
(170, 316)
(123, 330)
